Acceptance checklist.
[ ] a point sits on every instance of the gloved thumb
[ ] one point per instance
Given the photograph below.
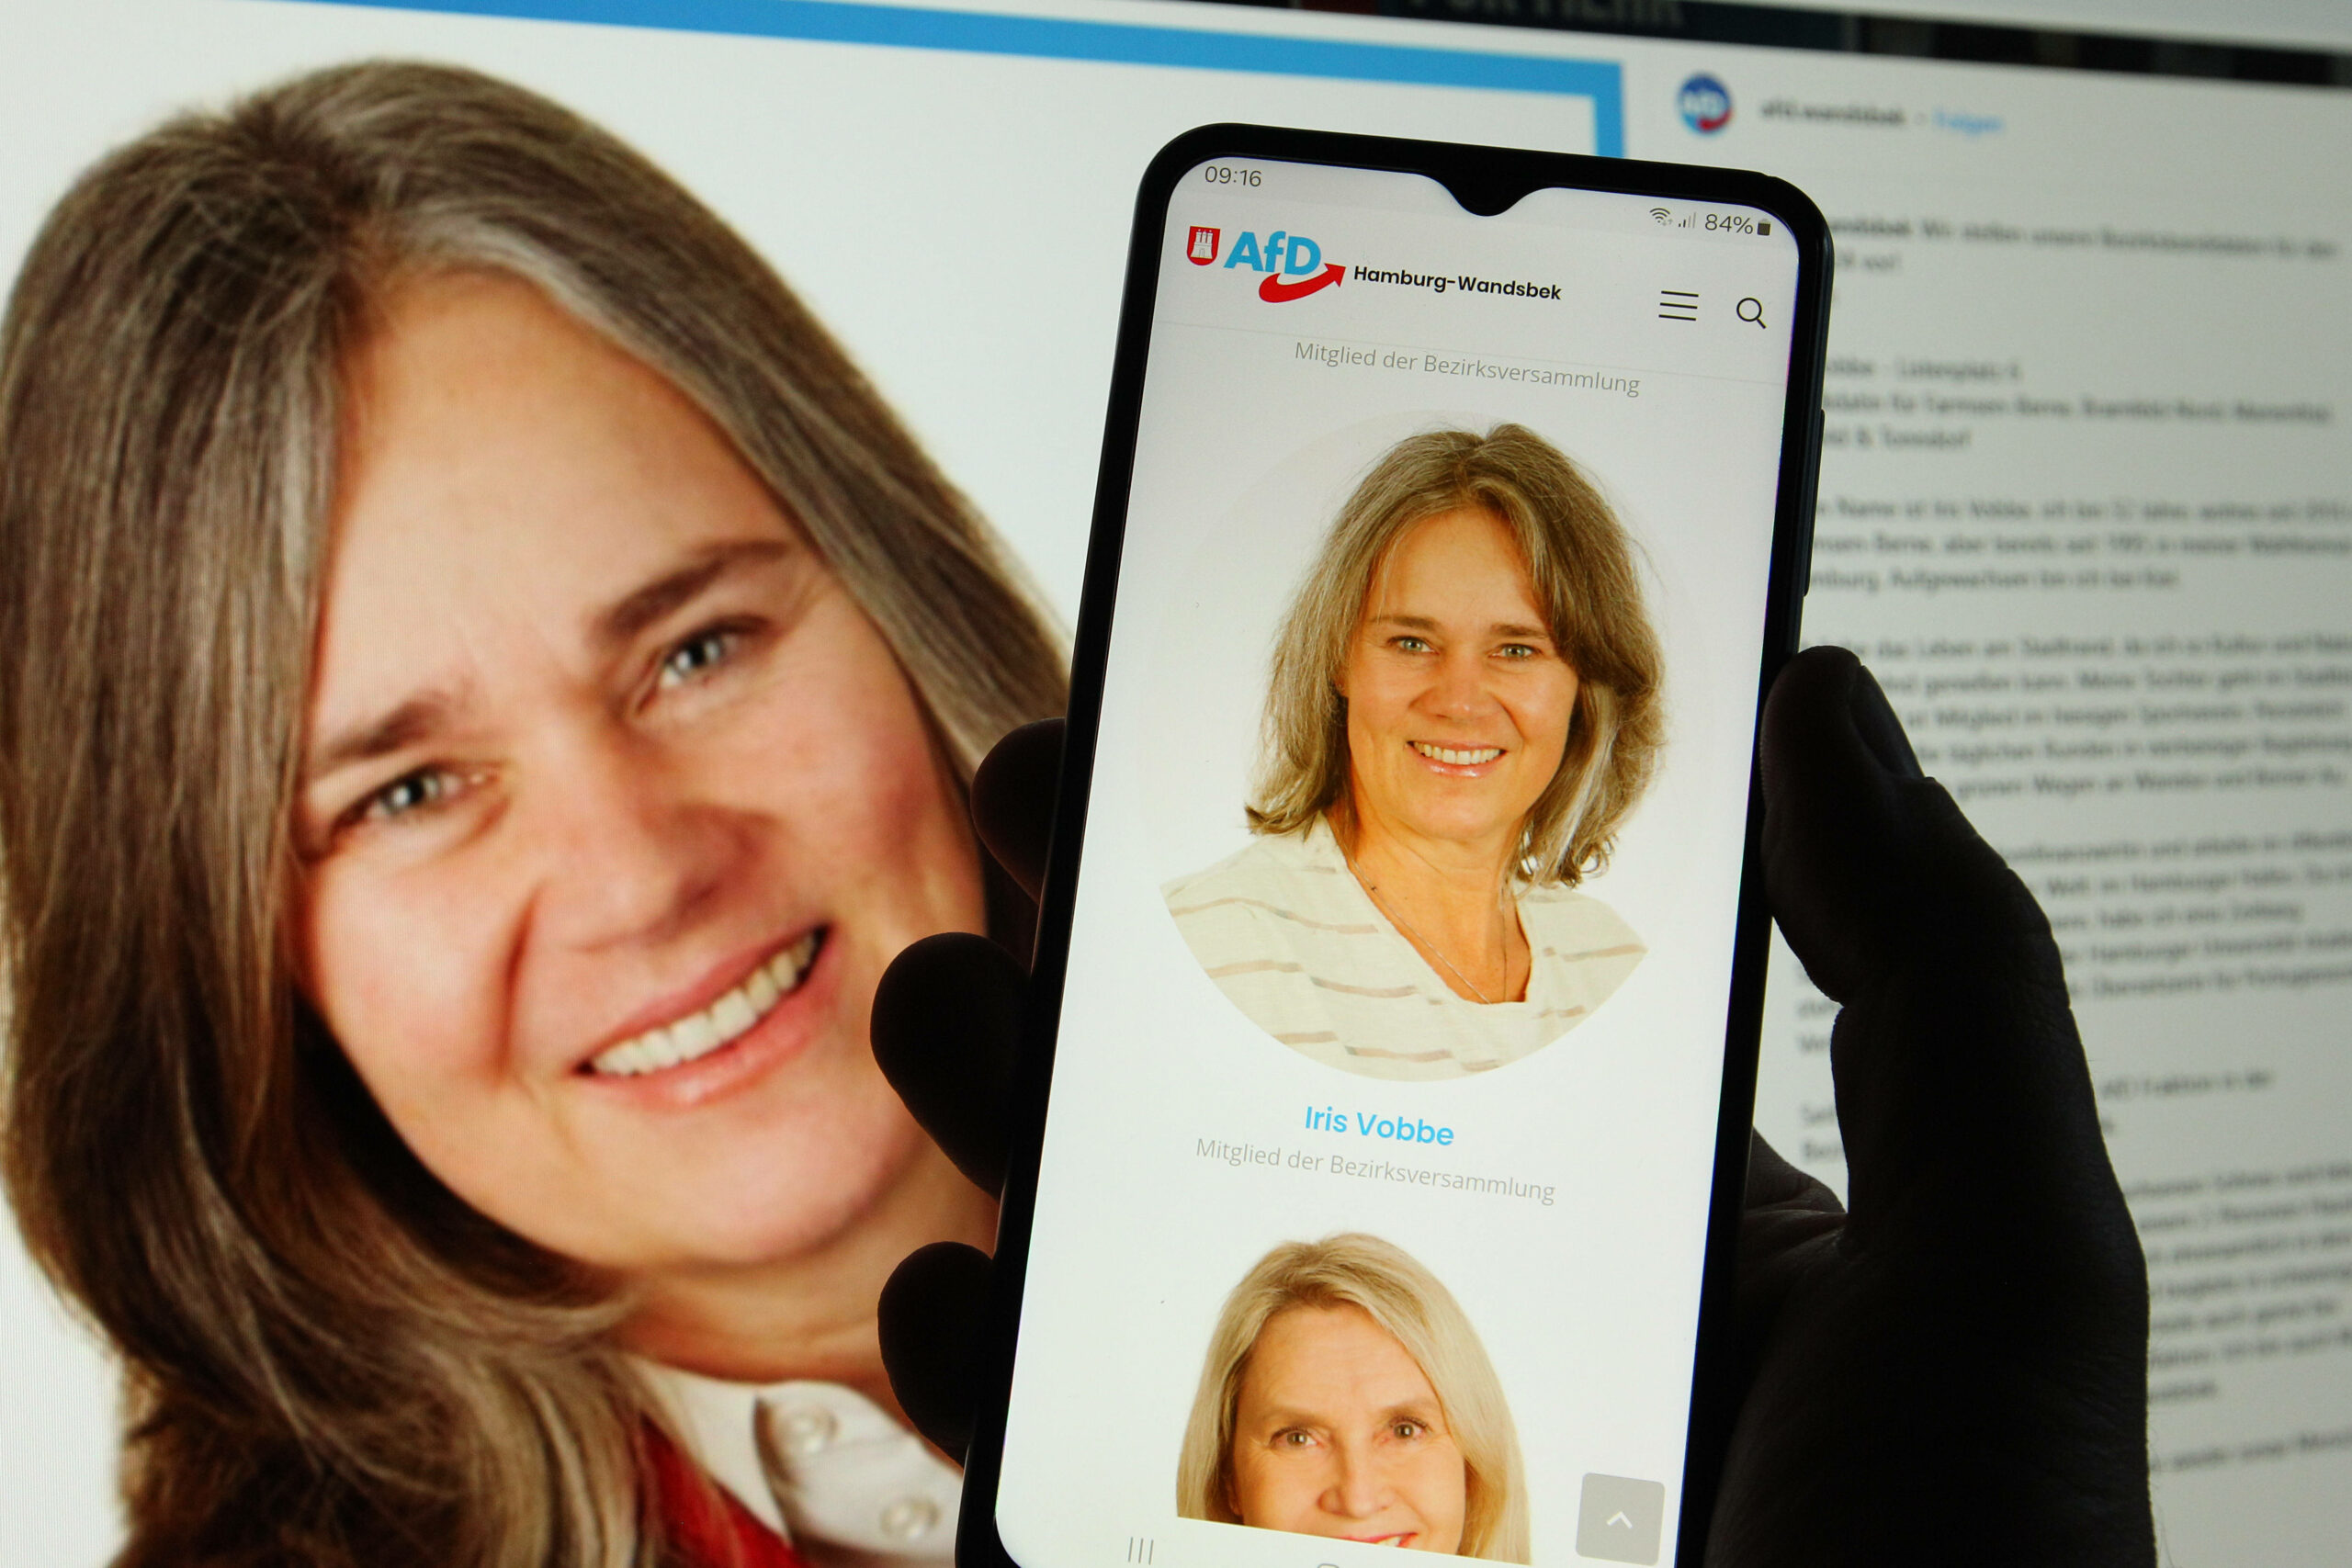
(1971, 1132)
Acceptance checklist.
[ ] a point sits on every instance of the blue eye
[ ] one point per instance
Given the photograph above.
(408, 794)
(696, 656)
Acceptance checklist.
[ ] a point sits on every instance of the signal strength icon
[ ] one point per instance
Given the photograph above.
(1663, 214)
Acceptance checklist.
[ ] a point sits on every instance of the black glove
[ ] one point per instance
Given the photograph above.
(1955, 1371)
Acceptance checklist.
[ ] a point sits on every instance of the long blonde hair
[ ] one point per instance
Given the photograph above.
(1405, 1299)
(330, 1360)
(1580, 565)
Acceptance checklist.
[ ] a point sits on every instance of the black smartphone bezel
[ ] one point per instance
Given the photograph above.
(1486, 181)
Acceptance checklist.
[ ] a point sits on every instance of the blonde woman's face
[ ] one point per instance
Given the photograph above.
(615, 806)
(1337, 1432)
(1458, 699)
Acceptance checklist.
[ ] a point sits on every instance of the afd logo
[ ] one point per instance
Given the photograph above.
(1293, 264)
(1705, 104)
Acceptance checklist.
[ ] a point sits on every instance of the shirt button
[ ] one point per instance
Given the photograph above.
(910, 1518)
(805, 1429)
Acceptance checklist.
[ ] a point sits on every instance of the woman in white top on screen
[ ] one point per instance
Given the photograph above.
(1464, 710)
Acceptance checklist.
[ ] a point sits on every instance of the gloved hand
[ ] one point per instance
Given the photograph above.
(1954, 1369)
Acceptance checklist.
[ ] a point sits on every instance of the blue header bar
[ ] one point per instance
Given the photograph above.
(1047, 38)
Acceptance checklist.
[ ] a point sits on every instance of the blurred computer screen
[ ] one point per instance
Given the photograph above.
(2086, 500)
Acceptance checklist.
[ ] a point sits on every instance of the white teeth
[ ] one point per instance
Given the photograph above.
(763, 991)
(733, 1012)
(728, 1019)
(1460, 759)
(691, 1037)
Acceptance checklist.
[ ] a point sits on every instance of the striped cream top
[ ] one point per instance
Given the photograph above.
(1293, 941)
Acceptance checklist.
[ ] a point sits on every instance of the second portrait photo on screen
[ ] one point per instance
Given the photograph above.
(1345, 1394)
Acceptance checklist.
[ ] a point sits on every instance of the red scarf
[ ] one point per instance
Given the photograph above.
(708, 1528)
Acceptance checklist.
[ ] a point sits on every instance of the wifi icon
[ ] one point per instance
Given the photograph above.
(1663, 214)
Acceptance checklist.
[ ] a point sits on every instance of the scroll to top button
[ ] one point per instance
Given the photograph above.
(1619, 1519)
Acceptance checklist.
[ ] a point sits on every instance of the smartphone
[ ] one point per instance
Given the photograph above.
(1389, 1066)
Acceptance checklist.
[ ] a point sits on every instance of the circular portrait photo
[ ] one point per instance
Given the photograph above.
(1462, 707)
(1346, 1395)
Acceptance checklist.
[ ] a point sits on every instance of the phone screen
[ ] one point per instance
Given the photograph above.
(1375, 1184)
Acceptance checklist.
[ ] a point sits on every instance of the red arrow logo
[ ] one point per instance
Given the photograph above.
(1274, 291)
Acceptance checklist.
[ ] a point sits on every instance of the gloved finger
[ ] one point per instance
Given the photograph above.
(931, 1316)
(946, 1021)
(1787, 1217)
(1012, 799)
(1776, 1187)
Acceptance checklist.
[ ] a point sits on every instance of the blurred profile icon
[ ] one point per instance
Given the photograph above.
(1199, 249)
(1705, 104)
(1752, 310)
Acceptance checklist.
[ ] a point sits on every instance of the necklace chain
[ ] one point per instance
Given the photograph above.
(1372, 891)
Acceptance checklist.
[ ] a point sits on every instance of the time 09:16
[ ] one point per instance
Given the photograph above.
(1224, 174)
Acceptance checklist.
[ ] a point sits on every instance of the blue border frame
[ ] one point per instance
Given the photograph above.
(1047, 38)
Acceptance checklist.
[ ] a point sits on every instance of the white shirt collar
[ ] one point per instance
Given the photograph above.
(821, 1464)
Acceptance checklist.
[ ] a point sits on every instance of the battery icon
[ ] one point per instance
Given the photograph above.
(1763, 227)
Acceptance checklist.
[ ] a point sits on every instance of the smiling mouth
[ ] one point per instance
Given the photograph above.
(1461, 757)
(1395, 1538)
(719, 1025)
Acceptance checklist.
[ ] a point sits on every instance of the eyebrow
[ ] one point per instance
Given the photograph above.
(645, 607)
(411, 722)
(1501, 628)
(419, 718)
(1424, 1410)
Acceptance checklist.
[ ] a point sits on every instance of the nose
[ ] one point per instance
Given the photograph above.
(627, 852)
(1359, 1488)
(1457, 686)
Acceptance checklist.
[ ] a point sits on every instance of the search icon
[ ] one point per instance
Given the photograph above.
(1752, 310)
